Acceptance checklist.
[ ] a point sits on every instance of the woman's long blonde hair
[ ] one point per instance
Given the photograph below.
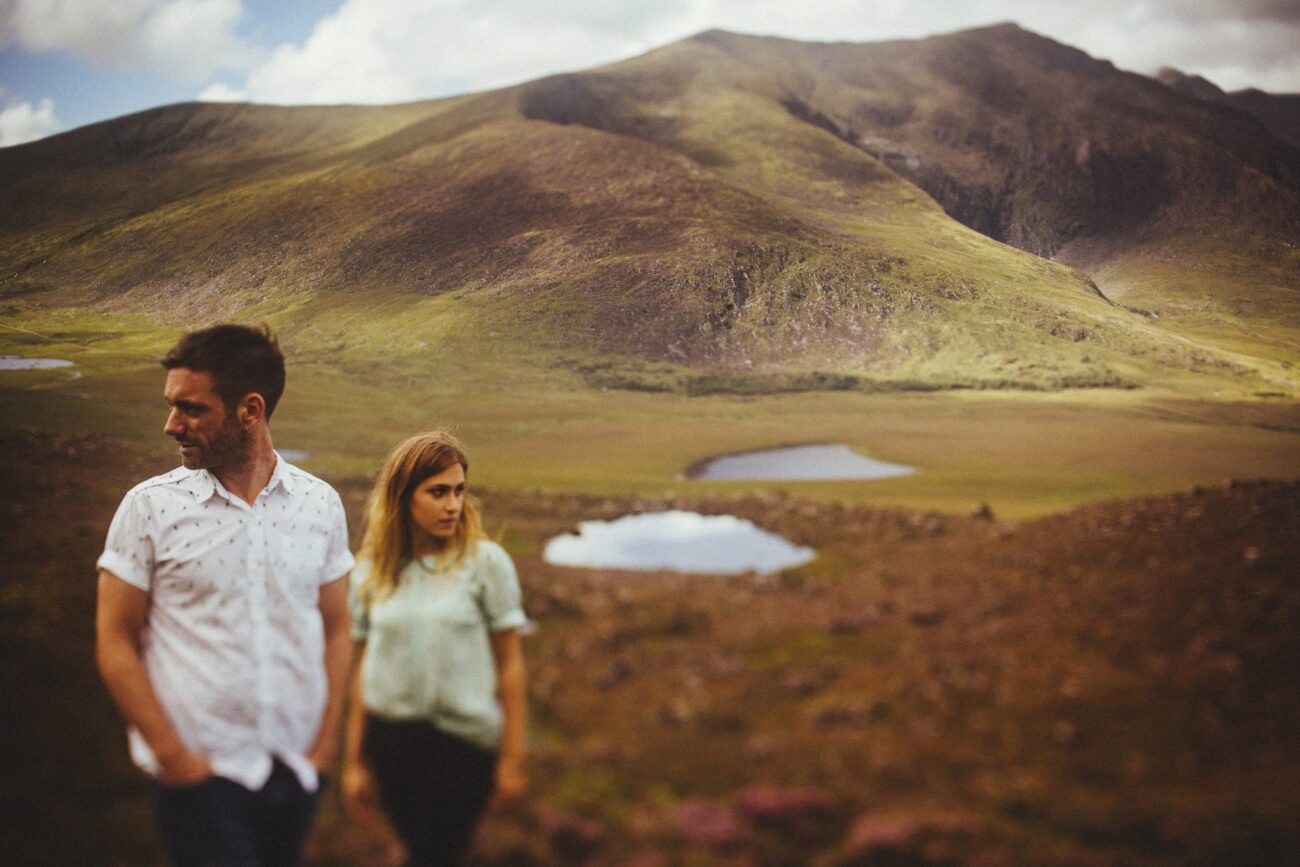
(388, 541)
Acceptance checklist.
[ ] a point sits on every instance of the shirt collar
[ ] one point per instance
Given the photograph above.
(281, 475)
(200, 483)
(203, 484)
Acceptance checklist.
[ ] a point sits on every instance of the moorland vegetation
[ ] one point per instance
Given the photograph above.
(1062, 291)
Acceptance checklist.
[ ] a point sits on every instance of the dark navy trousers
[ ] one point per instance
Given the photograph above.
(219, 823)
(434, 787)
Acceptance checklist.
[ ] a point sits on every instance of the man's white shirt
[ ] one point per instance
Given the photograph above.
(233, 640)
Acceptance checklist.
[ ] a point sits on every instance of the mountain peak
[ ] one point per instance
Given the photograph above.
(1189, 85)
(1001, 27)
(736, 203)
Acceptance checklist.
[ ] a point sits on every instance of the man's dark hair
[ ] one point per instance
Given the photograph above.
(240, 359)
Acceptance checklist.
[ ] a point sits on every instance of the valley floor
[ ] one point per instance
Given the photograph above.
(1112, 683)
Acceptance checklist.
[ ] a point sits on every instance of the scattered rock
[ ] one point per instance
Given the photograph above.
(1064, 732)
(807, 814)
(802, 684)
(878, 831)
(851, 716)
(543, 604)
(852, 625)
(930, 615)
(929, 525)
(1071, 687)
(677, 712)
(613, 675)
(901, 837)
(648, 858)
(688, 621)
(760, 748)
(573, 838)
(704, 823)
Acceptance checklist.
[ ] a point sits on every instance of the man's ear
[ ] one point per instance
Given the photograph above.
(251, 409)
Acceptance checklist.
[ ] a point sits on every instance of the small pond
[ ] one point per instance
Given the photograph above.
(18, 362)
(292, 455)
(677, 541)
(798, 463)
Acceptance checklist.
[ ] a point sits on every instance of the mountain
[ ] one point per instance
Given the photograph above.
(1280, 112)
(1190, 85)
(728, 211)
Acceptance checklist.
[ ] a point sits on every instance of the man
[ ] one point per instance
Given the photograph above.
(222, 626)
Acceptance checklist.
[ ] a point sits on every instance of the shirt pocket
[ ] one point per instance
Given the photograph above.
(191, 569)
(301, 563)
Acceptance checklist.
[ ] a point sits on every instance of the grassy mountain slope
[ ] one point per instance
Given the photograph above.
(1035, 143)
(728, 212)
(1031, 141)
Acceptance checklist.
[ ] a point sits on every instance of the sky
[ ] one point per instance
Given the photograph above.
(66, 63)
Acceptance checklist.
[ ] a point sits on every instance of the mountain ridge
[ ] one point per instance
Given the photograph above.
(1280, 112)
(727, 203)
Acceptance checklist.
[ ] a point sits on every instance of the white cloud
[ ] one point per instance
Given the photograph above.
(22, 122)
(394, 50)
(375, 51)
(1236, 43)
(219, 92)
(1242, 47)
(182, 39)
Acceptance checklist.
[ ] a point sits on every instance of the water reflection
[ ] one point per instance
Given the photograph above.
(678, 541)
(18, 362)
(799, 463)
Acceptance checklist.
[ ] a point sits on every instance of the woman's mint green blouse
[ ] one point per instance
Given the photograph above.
(428, 652)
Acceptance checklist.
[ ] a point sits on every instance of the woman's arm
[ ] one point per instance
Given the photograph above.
(511, 781)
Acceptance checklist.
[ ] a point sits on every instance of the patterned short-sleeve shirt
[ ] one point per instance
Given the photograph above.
(233, 641)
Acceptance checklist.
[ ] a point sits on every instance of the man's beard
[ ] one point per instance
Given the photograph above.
(227, 447)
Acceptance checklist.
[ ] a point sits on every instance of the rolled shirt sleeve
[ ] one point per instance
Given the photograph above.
(129, 549)
(338, 557)
(502, 598)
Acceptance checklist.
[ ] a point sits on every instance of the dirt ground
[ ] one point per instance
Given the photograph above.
(1111, 685)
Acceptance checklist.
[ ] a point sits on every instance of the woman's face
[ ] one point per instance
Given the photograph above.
(435, 506)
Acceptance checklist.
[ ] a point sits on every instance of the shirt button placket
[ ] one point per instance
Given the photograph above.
(258, 576)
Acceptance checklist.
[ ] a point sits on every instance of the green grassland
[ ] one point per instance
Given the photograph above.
(1227, 288)
(536, 421)
(727, 243)
(1041, 282)
(726, 215)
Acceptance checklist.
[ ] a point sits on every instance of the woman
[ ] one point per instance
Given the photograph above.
(436, 723)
